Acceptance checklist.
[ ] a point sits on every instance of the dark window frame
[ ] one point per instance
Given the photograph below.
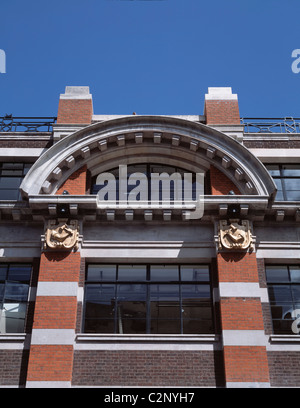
(282, 325)
(150, 284)
(9, 299)
(283, 177)
(23, 171)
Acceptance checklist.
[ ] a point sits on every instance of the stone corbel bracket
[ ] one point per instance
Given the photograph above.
(61, 236)
(235, 235)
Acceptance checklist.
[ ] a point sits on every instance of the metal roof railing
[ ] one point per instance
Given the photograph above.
(271, 125)
(10, 123)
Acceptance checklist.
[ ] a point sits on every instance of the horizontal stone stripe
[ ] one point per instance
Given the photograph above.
(244, 338)
(48, 384)
(53, 336)
(242, 289)
(57, 289)
(241, 384)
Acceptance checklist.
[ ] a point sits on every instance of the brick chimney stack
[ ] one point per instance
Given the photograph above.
(221, 107)
(75, 106)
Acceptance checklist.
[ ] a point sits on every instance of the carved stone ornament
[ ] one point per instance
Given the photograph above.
(62, 236)
(235, 235)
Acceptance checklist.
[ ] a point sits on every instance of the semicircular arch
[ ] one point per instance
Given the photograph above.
(104, 145)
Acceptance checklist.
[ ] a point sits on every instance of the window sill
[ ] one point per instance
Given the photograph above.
(12, 337)
(150, 338)
(284, 338)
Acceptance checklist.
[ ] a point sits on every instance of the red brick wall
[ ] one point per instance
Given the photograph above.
(76, 183)
(220, 183)
(237, 267)
(53, 362)
(147, 368)
(222, 112)
(75, 111)
(246, 363)
(50, 363)
(242, 363)
(59, 267)
(241, 313)
(55, 312)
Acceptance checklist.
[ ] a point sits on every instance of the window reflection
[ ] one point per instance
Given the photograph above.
(153, 299)
(284, 296)
(14, 290)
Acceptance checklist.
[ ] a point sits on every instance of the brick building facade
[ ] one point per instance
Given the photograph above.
(99, 292)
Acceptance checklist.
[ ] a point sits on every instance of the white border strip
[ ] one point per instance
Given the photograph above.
(57, 289)
(48, 384)
(53, 336)
(245, 338)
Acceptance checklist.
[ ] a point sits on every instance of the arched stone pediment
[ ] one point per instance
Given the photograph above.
(134, 139)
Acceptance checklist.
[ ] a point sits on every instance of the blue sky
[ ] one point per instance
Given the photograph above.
(151, 57)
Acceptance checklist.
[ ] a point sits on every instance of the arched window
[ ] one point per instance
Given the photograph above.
(159, 179)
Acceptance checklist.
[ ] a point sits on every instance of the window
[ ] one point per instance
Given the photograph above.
(148, 299)
(14, 288)
(287, 180)
(11, 176)
(284, 294)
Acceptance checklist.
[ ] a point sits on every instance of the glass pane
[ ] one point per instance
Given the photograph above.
(136, 168)
(273, 169)
(292, 184)
(279, 196)
(291, 170)
(16, 291)
(99, 326)
(165, 326)
(278, 183)
(27, 167)
(2, 287)
(295, 273)
(195, 291)
(100, 273)
(164, 301)
(296, 293)
(195, 273)
(194, 326)
(12, 166)
(131, 326)
(104, 293)
(13, 317)
(277, 273)
(98, 309)
(3, 271)
(158, 168)
(293, 195)
(9, 194)
(131, 301)
(282, 311)
(132, 273)
(282, 326)
(164, 273)
(18, 272)
(99, 304)
(10, 182)
(280, 294)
